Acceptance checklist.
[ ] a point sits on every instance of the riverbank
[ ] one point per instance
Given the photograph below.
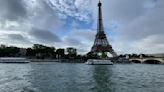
(58, 60)
(75, 61)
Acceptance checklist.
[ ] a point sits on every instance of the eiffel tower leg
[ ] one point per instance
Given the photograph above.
(114, 54)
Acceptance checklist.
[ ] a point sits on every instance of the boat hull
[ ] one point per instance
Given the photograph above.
(14, 60)
(98, 62)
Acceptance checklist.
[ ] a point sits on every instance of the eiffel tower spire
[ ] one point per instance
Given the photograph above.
(100, 21)
(101, 43)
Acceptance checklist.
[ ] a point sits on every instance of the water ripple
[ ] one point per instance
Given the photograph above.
(57, 77)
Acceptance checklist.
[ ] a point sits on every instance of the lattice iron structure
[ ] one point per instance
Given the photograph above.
(101, 43)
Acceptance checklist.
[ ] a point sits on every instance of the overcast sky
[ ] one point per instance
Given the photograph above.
(132, 26)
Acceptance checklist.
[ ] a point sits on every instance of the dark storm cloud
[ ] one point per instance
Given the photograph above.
(12, 9)
(44, 36)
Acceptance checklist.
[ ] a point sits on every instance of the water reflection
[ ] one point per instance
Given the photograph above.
(51, 77)
(42, 77)
(102, 76)
(57, 77)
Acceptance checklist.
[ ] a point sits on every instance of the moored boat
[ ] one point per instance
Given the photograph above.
(98, 62)
(13, 60)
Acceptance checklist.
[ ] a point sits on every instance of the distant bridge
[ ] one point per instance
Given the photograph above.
(151, 60)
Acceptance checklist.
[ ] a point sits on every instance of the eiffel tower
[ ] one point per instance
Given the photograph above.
(101, 44)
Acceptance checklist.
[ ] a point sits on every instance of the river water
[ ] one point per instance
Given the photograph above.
(65, 77)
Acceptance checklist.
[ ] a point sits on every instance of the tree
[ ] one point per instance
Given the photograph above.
(9, 51)
(91, 55)
(60, 53)
(42, 51)
(104, 55)
(30, 52)
(72, 52)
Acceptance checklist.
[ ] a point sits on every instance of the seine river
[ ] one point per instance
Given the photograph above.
(64, 77)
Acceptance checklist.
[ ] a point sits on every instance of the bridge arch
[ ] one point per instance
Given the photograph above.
(152, 61)
(136, 61)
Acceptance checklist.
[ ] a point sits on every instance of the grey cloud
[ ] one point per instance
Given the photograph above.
(28, 16)
(147, 25)
(12, 9)
(150, 44)
(125, 10)
(121, 12)
(44, 36)
(84, 34)
(72, 41)
(18, 38)
(81, 38)
(14, 38)
(44, 17)
(83, 50)
(153, 41)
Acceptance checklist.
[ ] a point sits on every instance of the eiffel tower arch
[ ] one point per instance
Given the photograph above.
(101, 44)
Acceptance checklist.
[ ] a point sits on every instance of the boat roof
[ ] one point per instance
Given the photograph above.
(12, 58)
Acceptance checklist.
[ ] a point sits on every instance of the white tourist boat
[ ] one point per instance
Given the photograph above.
(13, 60)
(98, 62)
